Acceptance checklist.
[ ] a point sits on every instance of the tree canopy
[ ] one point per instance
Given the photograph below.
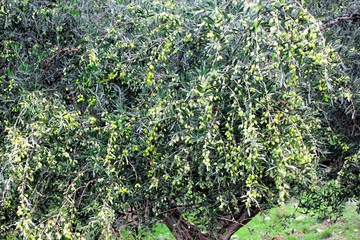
(198, 114)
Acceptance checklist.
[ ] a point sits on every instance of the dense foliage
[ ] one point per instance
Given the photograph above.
(342, 161)
(200, 114)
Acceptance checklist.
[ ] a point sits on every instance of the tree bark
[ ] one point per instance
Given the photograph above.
(227, 225)
(182, 229)
(230, 225)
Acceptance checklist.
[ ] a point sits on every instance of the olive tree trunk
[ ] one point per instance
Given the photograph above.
(227, 226)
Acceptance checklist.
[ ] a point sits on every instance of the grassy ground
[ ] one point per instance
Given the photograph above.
(276, 224)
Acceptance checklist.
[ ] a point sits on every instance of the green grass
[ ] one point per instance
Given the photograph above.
(277, 224)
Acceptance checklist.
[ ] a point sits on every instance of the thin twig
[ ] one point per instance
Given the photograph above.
(48, 61)
(354, 17)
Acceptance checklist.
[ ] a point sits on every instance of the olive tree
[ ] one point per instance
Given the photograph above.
(119, 115)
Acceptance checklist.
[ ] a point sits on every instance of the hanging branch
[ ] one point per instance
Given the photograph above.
(353, 17)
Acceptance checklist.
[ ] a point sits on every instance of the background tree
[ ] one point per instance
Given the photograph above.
(119, 115)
